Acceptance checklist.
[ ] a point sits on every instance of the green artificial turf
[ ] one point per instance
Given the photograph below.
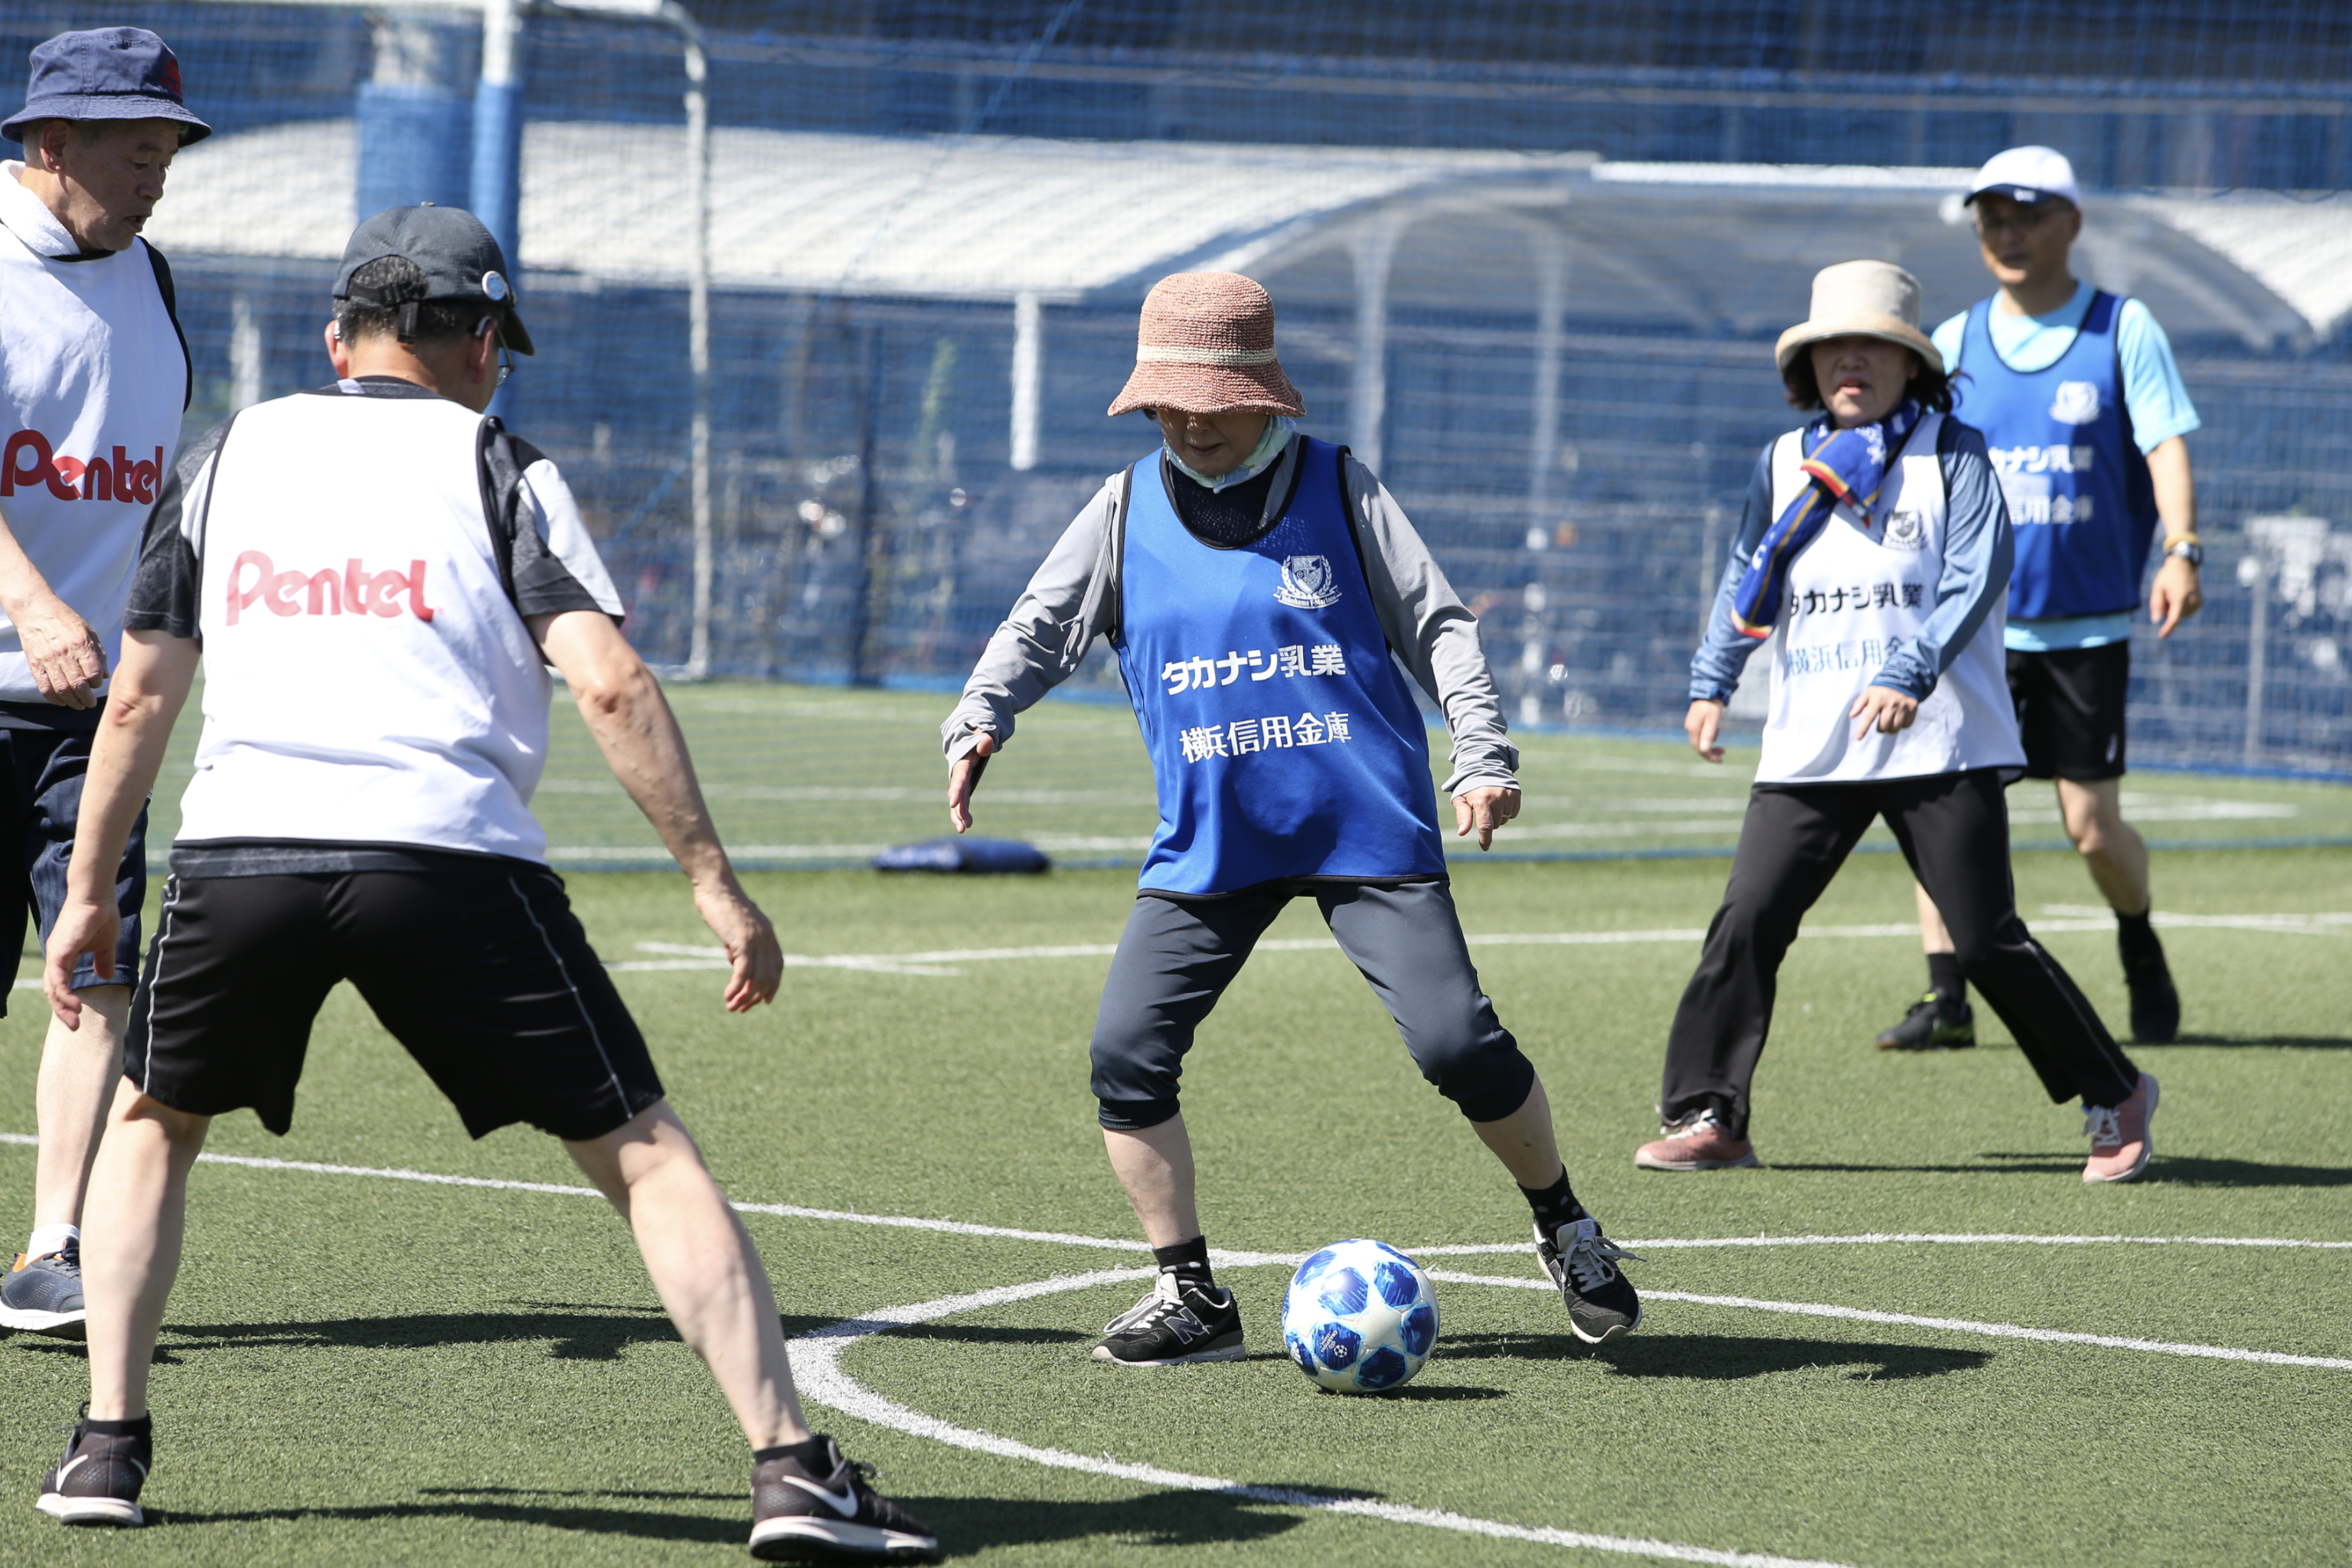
(362, 1370)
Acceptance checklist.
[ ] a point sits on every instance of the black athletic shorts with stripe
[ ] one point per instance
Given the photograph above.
(474, 963)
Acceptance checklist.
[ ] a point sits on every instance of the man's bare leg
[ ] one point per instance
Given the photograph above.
(2112, 848)
(703, 1264)
(1523, 1142)
(1154, 1167)
(80, 1069)
(132, 1228)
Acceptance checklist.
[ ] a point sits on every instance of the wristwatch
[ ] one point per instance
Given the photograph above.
(2188, 549)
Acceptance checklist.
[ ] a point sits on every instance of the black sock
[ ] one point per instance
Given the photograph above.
(138, 1426)
(2135, 936)
(1945, 978)
(810, 1454)
(1189, 1261)
(1555, 1205)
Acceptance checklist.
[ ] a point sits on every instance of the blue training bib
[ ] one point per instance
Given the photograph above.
(1282, 739)
(2080, 499)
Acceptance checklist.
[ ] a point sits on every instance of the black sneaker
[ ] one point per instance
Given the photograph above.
(1601, 1305)
(98, 1480)
(1935, 1023)
(2155, 1005)
(1175, 1324)
(43, 1295)
(800, 1516)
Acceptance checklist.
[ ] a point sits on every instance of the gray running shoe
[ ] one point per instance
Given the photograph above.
(43, 1295)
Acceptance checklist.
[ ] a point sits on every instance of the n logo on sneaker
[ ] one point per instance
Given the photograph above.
(844, 1502)
(1187, 1326)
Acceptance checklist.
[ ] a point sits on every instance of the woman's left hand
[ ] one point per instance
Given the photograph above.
(1884, 710)
(1485, 808)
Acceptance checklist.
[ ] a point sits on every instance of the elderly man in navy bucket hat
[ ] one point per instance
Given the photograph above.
(93, 378)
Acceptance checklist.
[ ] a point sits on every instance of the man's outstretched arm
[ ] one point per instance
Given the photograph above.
(624, 709)
(149, 691)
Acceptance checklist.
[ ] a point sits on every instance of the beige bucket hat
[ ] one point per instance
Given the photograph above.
(1205, 344)
(1866, 299)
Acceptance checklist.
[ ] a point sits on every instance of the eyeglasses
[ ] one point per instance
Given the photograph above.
(506, 362)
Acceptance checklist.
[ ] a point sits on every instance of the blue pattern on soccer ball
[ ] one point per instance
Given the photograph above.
(1360, 1317)
(1384, 1368)
(1398, 1286)
(1344, 1293)
(1337, 1346)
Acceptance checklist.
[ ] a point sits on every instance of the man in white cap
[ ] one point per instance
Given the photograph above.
(93, 379)
(2086, 418)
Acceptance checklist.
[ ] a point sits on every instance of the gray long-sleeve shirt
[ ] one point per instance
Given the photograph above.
(1074, 598)
(1977, 552)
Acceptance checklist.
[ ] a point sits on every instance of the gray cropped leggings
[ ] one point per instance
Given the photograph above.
(1178, 955)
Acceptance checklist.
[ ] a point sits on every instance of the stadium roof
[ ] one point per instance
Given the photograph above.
(1712, 247)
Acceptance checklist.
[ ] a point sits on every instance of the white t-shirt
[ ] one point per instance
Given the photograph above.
(358, 563)
(93, 381)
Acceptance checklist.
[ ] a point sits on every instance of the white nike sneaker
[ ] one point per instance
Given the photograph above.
(798, 1516)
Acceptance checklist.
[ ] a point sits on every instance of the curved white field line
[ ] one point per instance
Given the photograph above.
(816, 1367)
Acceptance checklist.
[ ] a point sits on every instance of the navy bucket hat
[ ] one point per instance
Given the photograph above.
(108, 73)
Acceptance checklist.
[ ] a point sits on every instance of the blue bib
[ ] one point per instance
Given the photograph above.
(2080, 499)
(1282, 739)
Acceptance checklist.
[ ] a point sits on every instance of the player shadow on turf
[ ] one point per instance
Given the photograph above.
(1723, 1358)
(2276, 1042)
(2180, 1169)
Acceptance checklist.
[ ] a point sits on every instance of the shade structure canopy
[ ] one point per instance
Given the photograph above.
(1711, 249)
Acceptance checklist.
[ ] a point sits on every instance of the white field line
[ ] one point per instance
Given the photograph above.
(816, 1368)
(1948, 1325)
(939, 965)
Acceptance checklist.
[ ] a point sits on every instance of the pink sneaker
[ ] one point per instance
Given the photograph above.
(1699, 1142)
(2120, 1143)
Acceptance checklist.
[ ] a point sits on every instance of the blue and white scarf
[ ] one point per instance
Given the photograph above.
(1846, 468)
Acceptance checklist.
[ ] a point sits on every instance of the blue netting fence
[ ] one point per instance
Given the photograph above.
(1529, 260)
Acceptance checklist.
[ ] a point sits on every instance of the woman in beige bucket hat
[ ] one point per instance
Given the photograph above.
(1260, 589)
(1876, 545)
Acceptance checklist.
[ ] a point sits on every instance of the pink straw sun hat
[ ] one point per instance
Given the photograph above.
(1205, 345)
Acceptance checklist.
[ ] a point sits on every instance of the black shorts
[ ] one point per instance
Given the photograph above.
(2070, 711)
(483, 974)
(41, 773)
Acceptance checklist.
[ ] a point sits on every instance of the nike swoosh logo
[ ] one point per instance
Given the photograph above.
(844, 1502)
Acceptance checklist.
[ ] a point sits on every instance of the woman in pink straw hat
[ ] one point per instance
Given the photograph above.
(1876, 542)
(1260, 588)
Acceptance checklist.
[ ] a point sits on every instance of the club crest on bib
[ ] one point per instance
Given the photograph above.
(1906, 531)
(1307, 583)
(2077, 403)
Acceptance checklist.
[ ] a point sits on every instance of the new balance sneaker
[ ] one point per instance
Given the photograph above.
(43, 1295)
(1174, 1324)
(2120, 1142)
(798, 1516)
(1935, 1023)
(98, 1480)
(2154, 1003)
(1601, 1305)
(1699, 1141)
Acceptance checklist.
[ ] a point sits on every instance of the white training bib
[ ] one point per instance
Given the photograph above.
(367, 679)
(91, 380)
(1854, 594)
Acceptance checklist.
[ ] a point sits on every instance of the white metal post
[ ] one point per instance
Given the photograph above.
(1028, 330)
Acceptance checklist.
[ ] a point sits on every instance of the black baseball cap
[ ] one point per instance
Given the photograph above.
(107, 73)
(460, 259)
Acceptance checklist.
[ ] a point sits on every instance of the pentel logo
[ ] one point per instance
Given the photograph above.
(353, 591)
(29, 461)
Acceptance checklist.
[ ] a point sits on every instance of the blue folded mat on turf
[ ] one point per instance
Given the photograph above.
(979, 856)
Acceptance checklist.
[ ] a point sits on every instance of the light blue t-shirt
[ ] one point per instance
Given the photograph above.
(2153, 395)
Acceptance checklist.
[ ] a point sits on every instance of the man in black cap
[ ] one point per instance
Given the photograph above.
(93, 378)
(376, 575)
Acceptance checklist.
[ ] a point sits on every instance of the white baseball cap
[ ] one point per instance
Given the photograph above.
(2028, 175)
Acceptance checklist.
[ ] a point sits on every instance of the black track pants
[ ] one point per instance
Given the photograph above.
(1954, 830)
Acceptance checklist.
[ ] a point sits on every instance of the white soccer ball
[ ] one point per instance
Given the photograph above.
(1360, 1317)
